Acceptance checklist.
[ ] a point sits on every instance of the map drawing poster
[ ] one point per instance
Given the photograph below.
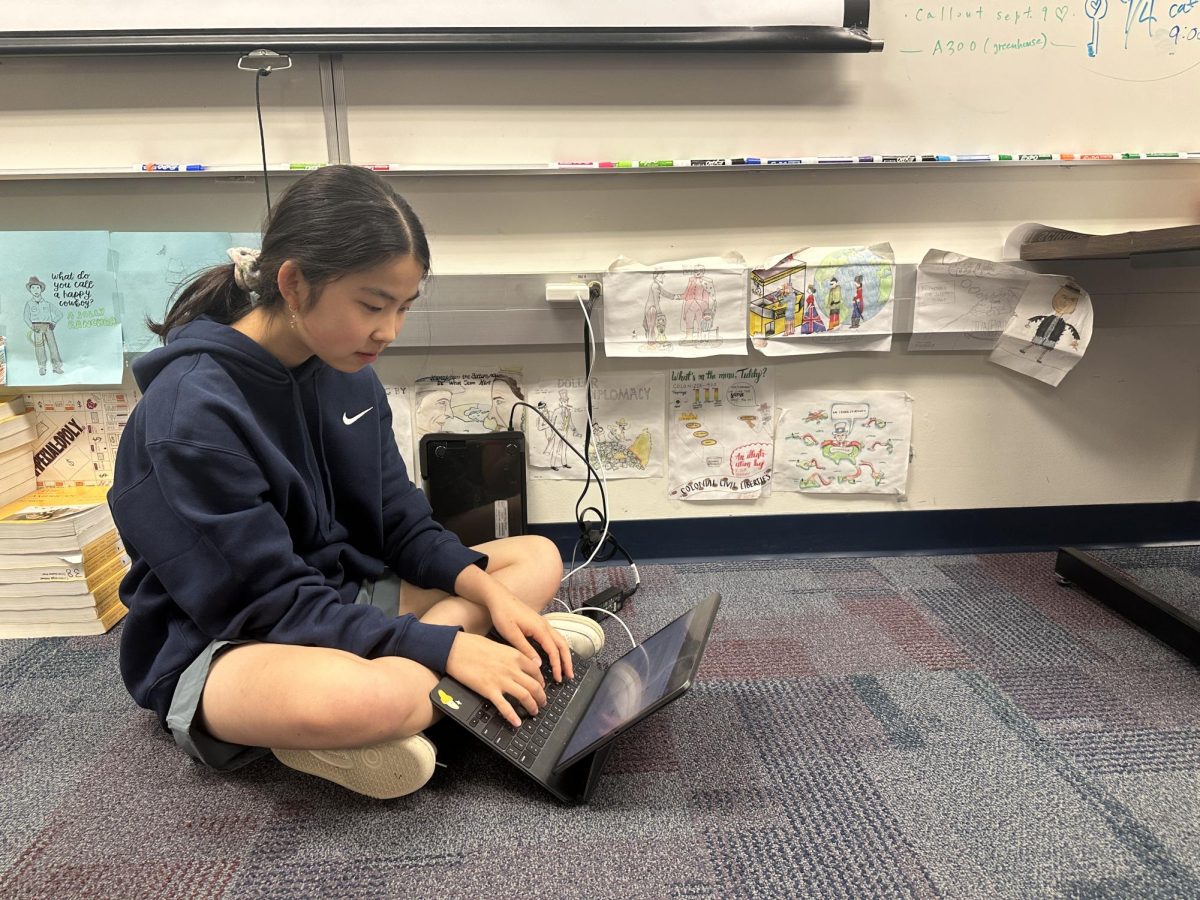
(686, 308)
(843, 442)
(964, 303)
(720, 433)
(150, 269)
(823, 300)
(57, 309)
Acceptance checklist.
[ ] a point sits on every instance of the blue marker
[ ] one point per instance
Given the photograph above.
(795, 161)
(746, 161)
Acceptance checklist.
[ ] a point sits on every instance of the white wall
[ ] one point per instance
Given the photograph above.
(1122, 428)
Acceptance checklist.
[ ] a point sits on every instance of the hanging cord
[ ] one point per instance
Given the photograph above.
(262, 137)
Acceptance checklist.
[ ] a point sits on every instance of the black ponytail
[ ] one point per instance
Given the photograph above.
(332, 222)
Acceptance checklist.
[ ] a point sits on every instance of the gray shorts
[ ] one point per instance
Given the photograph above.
(181, 717)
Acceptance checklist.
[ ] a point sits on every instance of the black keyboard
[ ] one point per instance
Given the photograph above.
(525, 743)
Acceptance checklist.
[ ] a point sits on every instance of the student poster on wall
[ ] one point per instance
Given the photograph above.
(628, 440)
(398, 401)
(684, 308)
(57, 309)
(823, 300)
(150, 269)
(720, 433)
(843, 441)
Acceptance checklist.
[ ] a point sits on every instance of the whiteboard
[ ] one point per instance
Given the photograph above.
(142, 25)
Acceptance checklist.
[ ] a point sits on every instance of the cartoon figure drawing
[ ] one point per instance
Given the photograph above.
(857, 304)
(563, 418)
(811, 323)
(505, 393)
(41, 316)
(699, 300)
(654, 309)
(433, 411)
(1051, 327)
(833, 304)
(787, 296)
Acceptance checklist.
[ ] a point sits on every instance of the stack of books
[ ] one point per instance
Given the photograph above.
(18, 432)
(61, 563)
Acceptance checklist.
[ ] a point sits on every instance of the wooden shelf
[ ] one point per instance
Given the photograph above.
(1129, 244)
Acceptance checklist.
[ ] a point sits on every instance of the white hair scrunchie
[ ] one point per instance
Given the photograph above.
(245, 268)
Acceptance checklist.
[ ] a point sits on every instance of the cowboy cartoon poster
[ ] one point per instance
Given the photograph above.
(844, 442)
(823, 300)
(57, 309)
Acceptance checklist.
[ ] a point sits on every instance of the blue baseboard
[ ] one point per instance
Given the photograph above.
(887, 533)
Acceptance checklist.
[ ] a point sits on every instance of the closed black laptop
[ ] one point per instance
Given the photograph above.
(564, 746)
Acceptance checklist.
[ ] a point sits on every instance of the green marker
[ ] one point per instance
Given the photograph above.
(305, 165)
(1131, 156)
(655, 163)
(624, 164)
(1005, 156)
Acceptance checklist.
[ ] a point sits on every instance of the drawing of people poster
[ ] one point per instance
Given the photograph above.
(1049, 332)
(57, 309)
(150, 267)
(823, 300)
(402, 427)
(843, 442)
(720, 433)
(964, 303)
(628, 439)
(472, 403)
(686, 308)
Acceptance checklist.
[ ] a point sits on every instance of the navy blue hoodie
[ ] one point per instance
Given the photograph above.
(254, 500)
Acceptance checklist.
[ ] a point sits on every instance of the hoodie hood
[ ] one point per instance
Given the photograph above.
(234, 350)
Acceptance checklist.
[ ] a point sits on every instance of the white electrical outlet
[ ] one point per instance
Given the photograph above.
(566, 292)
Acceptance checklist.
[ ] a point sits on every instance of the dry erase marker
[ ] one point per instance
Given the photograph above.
(835, 160)
(976, 157)
(746, 161)
(793, 161)
(869, 159)
(378, 167)
(1097, 156)
(655, 163)
(1161, 155)
(709, 162)
(303, 166)
(1037, 157)
(577, 165)
(902, 158)
(624, 164)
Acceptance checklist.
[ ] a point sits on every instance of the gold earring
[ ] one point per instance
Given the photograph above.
(292, 323)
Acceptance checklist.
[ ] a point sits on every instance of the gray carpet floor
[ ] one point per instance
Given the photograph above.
(955, 726)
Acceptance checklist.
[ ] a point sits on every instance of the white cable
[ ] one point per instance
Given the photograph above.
(632, 642)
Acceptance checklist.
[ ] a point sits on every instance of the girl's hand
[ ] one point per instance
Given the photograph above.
(517, 623)
(497, 672)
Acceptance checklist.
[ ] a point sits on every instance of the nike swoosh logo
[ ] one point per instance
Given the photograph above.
(350, 420)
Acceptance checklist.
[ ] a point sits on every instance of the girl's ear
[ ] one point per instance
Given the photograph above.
(293, 286)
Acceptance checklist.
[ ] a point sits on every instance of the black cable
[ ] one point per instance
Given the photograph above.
(262, 137)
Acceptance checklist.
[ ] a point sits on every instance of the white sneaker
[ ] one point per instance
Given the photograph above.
(385, 770)
(584, 636)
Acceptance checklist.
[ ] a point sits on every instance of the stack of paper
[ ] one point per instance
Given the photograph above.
(18, 432)
(61, 563)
